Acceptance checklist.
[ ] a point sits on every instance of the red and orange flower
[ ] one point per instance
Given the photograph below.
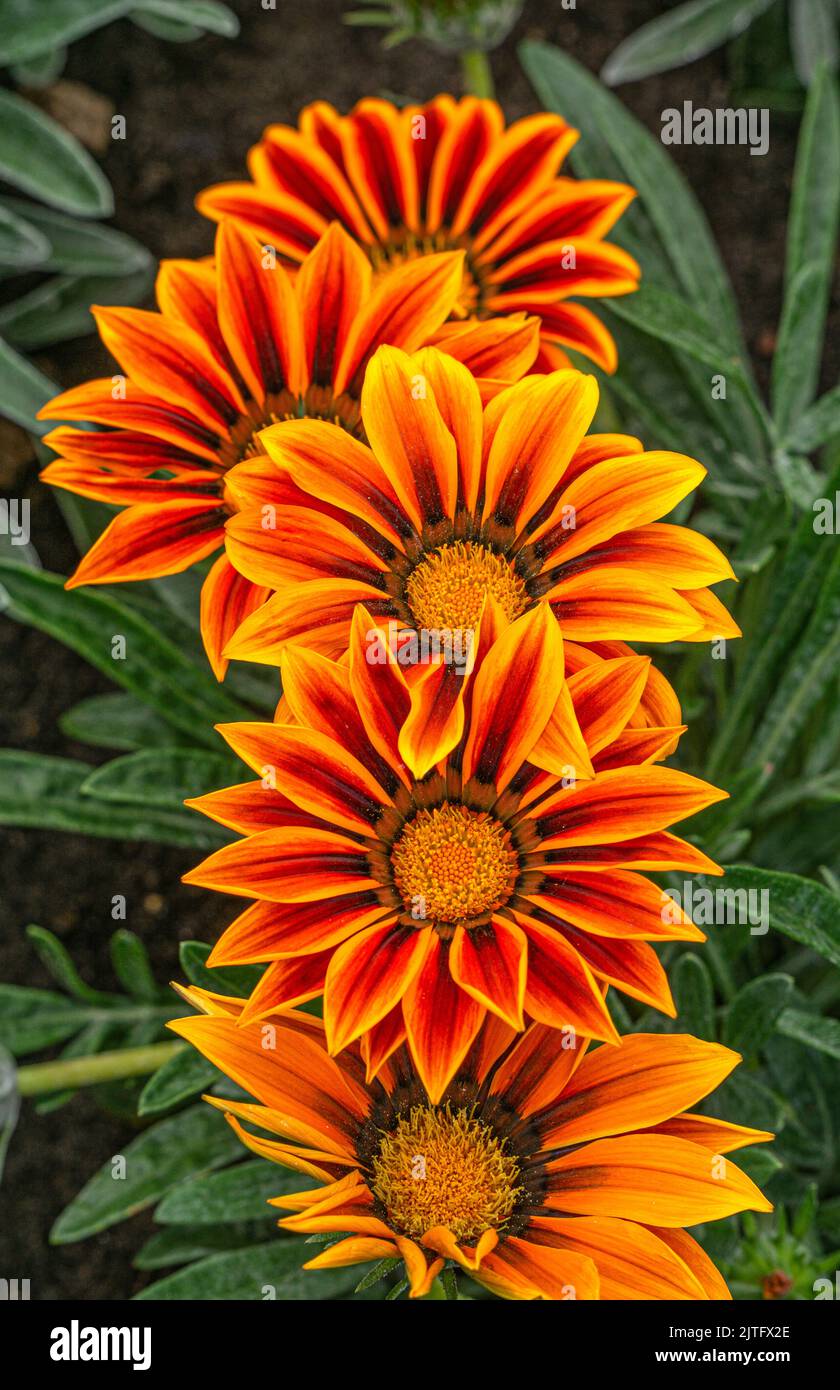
(544, 1171)
(236, 346)
(449, 502)
(421, 872)
(409, 182)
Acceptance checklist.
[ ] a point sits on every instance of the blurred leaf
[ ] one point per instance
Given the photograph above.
(163, 777)
(196, 1141)
(178, 1079)
(80, 248)
(154, 668)
(60, 308)
(40, 157)
(678, 37)
(34, 1018)
(799, 908)
(759, 1164)
(206, 15)
(240, 980)
(117, 721)
(46, 793)
(694, 996)
(813, 1030)
(811, 249)
(21, 244)
(813, 37)
(56, 958)
(272, 1270)
(811, 666)
(132, 966)
(751, 1017)
(817, 425)
(240, 1193)
(40, 71)
(177, 1244)
(31, 27)
(23, 390)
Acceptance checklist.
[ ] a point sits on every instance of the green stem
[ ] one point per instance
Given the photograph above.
(43, 1077)
(476, 73)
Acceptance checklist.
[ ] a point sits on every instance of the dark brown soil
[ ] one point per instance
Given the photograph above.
(192, 111)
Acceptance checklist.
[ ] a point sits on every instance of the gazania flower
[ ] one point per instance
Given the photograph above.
(409, 182)
(448, 503)
(546, 1170)
(236, 346)
(422, 871)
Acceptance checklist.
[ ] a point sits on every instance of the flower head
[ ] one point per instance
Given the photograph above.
(238, 344)
(547, 1170)
(424, 863)
(408, 182)
(450, 502)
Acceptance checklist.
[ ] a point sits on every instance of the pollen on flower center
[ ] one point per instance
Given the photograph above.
(442, 1167)
(452, 864)
(448, 587)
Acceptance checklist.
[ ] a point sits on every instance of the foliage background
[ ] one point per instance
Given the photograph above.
(191, 114)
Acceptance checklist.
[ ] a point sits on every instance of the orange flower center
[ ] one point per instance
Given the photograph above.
(442, 1167)
(407, 246)
(452, 865)
(448, 587)
(318, 403)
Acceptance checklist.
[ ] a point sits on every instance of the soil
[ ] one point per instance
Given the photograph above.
(191, 112)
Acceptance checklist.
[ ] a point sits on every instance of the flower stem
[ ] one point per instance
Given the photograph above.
(476, 73)
(42, 1077)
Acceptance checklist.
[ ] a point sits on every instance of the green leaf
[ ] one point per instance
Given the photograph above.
(56, 958)
(759, 1164)
(811, 248)
(196, 1141)
(21, 244)
(795, 362)
(23, 390)
(269, 1271)
(31, 27)
(678, 37)
(177, 1244)
(751, 1017)
(47, 793)
(59, 309)
(132, 967)
(181, 1077)
(40, 157)
(813, 37)
(615, 140)
(80, 248)
(34, 1018)
(811, 665)
(40, 71)
(240, 980)
(238, 1194)
(153, 667)
(163, 777)
(799, 908)
(694, 996)
(817, 425)
(117, 721)
(823, 1034)
(199, 14)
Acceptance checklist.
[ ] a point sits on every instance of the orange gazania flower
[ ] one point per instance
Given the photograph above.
(236, 346)
(420, 873)
(408, 182)
(545, 1170)
(448, 503)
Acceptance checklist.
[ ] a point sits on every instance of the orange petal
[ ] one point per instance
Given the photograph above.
(292, 864)
(441, 1021)
(367, 978)
(151, 541)
(492, 966)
